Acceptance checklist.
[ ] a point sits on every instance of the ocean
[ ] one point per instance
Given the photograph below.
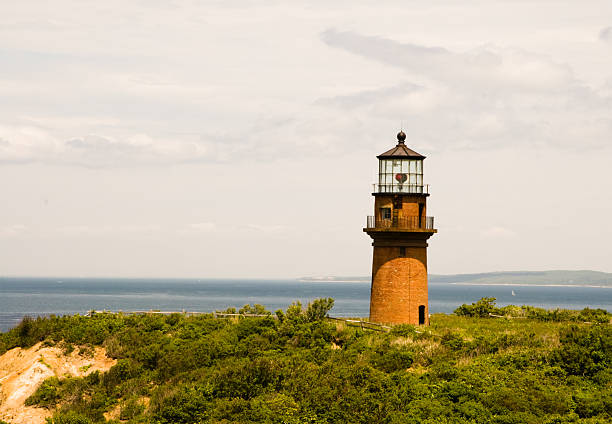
(45, 296)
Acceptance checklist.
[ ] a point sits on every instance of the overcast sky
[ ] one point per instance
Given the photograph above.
(162, 138)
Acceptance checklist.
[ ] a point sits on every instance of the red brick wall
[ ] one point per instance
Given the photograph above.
(399, 285)
(410, 205)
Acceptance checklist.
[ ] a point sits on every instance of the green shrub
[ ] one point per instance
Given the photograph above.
(47, 394)
(600, 316)
(481, 309)
(318, 309)
(584, 351)
(393, 359)
(403, 330)
(69, 418)
(187, 405)
(453, 341)
(131, 409)
(256, 309)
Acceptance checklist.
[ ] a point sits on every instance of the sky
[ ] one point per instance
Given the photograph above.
(205, 139)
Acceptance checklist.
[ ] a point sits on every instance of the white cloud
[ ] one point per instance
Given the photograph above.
(13, 230)
(107, 230)
(267, 228)
(490, 67)
(25, 144)
(204, 226)
(156, 102)
(484, 98)
(497, 232)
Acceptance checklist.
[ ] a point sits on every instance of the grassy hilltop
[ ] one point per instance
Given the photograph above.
(296, 366)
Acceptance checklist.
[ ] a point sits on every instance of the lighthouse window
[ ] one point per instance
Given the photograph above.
(385, 213)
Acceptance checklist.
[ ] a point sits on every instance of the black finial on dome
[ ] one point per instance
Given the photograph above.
(401, 137)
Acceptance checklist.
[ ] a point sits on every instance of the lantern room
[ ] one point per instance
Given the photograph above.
(400, 170)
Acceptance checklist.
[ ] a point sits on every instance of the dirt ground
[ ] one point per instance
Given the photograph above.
(23, 370)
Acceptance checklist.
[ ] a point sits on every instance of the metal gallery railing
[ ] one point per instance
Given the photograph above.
(403, 223)
(401, 188)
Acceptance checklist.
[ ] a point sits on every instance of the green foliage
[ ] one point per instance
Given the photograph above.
(256, 309)
(318, 309)
(482, 308)
(47, 394)
(297, 367)
(485, 307)
(600, 316)
(187, 404)
(130, 409)
(454, 341)
(228, 311)
(69, 418)
(393, 359)
(404, 330)
(584, 351)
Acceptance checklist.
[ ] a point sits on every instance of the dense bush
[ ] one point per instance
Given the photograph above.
(295, 366)
(584, 351)
(485, 308)
(482, 309)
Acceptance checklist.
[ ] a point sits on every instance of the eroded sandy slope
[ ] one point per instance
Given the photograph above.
(23, 370)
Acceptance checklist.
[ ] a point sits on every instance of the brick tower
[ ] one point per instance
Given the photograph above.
(400, 229)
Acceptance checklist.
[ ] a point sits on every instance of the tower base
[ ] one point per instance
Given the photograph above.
(399, 286)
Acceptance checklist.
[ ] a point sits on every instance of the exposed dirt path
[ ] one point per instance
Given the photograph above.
(23, 370)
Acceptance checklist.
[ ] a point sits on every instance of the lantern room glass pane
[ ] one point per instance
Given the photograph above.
(397, 166)
(400, 175)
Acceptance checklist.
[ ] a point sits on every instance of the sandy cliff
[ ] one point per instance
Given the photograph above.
(23, 370)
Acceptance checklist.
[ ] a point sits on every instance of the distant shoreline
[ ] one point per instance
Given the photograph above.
(303, 280)
(306, 280)
(553, 278)
(529, 285)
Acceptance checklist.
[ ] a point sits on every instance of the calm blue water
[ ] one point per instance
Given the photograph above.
(43, 296)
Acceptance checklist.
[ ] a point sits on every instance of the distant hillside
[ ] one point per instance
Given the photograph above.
(334, 279)
(568, 278)
(581, 278)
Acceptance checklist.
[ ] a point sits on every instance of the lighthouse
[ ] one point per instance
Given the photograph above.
(400, 229)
